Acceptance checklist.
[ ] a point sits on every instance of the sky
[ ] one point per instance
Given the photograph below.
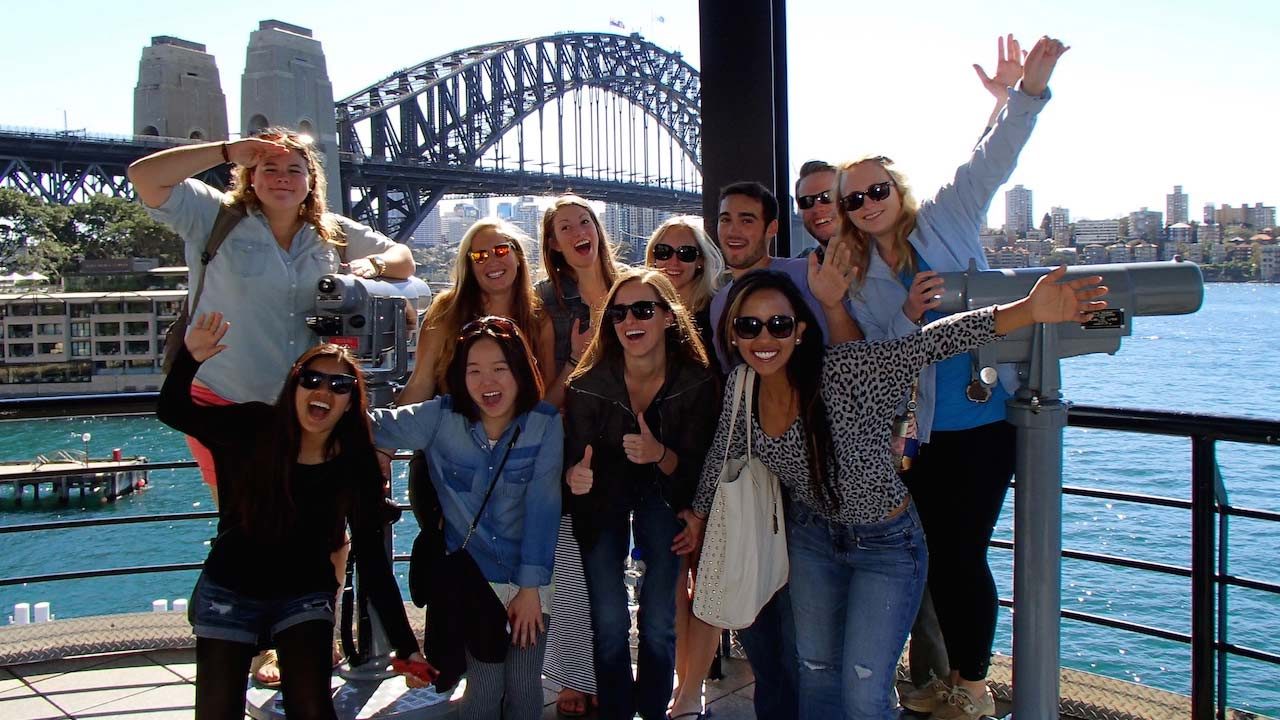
(1151, 94)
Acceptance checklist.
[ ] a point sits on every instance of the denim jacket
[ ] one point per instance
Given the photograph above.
(946, 237)
(516, 538)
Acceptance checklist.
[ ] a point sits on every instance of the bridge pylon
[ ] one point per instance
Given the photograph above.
(179, 92)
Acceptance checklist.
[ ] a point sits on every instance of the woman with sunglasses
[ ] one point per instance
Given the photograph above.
(490, 277)
(639, 415)
(821, 423)
(579, 262)
(901, 246)
(266, 270)
(494, 453)
(681, 249)
(294, 474)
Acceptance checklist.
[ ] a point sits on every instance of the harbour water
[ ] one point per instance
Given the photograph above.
(1215, 361)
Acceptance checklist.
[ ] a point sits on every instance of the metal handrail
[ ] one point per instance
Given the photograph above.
(1207, 506)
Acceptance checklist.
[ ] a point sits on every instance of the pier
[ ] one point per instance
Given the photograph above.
(66, 472)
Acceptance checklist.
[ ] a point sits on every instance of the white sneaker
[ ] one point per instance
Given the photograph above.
(928, 698)
(960, 705)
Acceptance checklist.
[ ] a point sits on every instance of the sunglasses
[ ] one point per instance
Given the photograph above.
(640, 310)
(339, 384)
(502, 250)
(295, 137)
(684, 253)
(806, 201)
(491, 325)
(877, 192)
(779, 326)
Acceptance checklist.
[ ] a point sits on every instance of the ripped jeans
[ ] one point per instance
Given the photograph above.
(858, 588)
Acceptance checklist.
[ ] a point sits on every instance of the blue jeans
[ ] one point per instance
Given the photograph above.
(858, 589)
(655, 526)
(770, 643)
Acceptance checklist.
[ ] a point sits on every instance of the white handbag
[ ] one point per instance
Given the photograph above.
(744, 553)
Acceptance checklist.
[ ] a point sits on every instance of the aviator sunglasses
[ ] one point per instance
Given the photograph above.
(684, 253)
(501, 250)
(877, 192)
(339, 384)
(640, 310)
(779, 326)
(807, 201)
(491, 324)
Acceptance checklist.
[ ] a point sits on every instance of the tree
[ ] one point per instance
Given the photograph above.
(107, 227)
(31, 235)
(435, 262)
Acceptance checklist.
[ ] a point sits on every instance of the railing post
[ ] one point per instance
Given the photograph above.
(1203, 619)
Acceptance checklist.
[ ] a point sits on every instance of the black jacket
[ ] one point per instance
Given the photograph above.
(682, 416)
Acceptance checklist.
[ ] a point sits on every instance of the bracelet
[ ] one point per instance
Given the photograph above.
(379, 265)
(664, 455)
(574, 360)
(385, 454)
(225, 157)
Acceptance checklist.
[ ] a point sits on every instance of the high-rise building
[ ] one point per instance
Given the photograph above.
(526, 215)
(1268, 262)
(1210, 214)
(457, 223)
(1018, 212)
(1180, 234)
(1145, 224)
(1175, 206)
(1099, 232)
(1260, 216)
(1209, 234)
(429, 231)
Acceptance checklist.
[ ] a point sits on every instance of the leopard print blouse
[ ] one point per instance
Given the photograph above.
(862, 384)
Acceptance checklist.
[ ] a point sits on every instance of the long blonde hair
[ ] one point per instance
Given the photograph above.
(862, 243)
(712, 267)
(463, 300)
(314, 209)
(683, 340)
(553, 262)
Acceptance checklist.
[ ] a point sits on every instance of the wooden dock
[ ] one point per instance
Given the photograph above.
(69, 471)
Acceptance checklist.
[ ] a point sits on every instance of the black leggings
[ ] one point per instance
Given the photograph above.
(306, 657)
(958, 483)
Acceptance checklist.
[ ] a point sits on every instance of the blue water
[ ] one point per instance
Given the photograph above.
(1214, 361)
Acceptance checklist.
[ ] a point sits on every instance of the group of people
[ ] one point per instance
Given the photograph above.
(569, 424)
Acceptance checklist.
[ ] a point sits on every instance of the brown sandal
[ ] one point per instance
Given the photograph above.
(265, 661)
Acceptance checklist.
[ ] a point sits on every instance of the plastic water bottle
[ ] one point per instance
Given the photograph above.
(633, 576)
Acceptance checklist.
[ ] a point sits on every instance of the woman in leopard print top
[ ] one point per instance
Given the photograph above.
(821, 423)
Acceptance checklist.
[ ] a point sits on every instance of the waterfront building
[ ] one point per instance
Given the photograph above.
(1180, 233)
(59, 343)
(1018, 211)
(1268, 261)
(1118, 253)
(429, 231)
(992, 240)
(1099, 232)
(1145, 224)
(1260, 216)
(1036, 250)
(1094, 254)
(1141, 251)
(1175, 206)
(457, 223)
(1007, 257)
(526, 215)
(1210, 214)
(1209, 233)
(1060, 224)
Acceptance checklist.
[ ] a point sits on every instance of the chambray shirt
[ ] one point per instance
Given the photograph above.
(264, 291)
(795, 268)
(515, 541)
(946, 238)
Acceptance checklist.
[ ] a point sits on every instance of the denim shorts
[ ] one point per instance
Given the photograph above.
(220, 613)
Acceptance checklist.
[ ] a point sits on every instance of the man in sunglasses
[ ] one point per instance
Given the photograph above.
(816, 198)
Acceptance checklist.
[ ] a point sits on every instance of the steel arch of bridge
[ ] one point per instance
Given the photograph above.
(430, 126)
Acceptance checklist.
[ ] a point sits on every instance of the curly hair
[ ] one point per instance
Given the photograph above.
(314, 209)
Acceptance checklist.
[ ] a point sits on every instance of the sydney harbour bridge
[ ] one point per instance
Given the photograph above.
(610, 117)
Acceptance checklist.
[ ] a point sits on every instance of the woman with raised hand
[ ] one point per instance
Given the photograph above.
(294, 475)
(681, 249)
(638, 419)
(901, 246)
(494, 454)
(821, 423)
(490, 277)
(579, 262)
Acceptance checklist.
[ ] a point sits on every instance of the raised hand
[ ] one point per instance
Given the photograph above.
(1039, 65)
(204, 335)
(923, 295)
(1008, 68)
(830, 280)
(248, 152)
(1054, 301)
(642, 447)
(579, 477)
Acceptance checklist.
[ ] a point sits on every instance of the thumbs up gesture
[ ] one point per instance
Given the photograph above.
(642, 447)
(580, 477)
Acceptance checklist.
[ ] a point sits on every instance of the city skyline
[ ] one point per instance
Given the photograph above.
(1115, 138)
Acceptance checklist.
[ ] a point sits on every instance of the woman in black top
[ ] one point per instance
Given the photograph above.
(292, 475)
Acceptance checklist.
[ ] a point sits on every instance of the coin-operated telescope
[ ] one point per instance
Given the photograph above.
(371, 318)
(1038, 413)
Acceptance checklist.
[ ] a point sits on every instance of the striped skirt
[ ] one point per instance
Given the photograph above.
(570, 652)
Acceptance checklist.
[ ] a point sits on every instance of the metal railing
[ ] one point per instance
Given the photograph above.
(1208, 506)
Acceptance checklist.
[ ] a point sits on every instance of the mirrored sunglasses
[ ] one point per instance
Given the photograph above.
(501, 250)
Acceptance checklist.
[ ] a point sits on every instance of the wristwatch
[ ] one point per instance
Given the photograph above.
(379, 265)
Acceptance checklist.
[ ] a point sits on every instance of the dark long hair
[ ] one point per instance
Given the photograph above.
(266, 512)
(515, 349)
(804, 373)
(553, 262)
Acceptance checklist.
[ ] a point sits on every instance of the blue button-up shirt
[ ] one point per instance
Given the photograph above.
(515, 541)
(265, 291)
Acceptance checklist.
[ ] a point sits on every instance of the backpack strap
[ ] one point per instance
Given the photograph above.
(228, 217)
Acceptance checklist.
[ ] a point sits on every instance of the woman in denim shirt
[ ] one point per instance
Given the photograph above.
(962, 474)
(465, 435)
